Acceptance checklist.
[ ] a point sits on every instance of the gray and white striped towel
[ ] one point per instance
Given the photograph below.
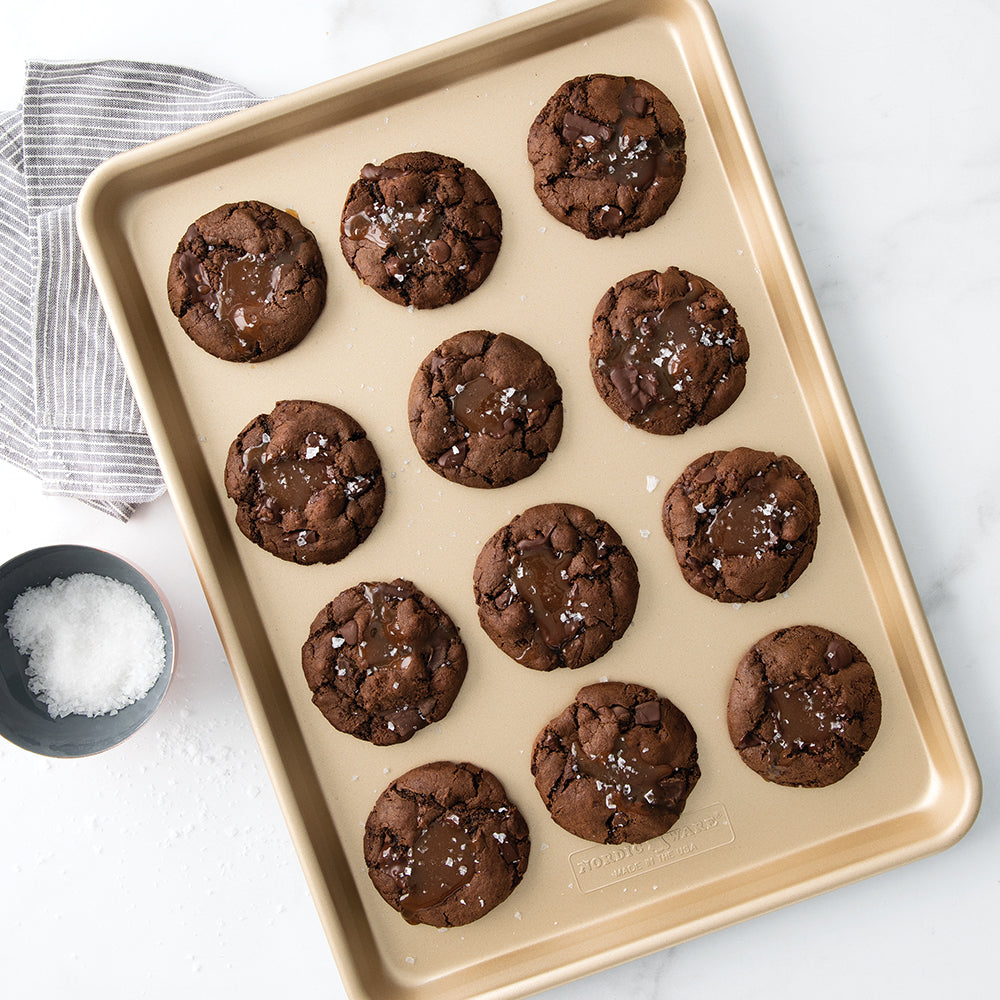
(67, 413)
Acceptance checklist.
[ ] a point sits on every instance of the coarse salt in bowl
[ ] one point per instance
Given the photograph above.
(86, 650)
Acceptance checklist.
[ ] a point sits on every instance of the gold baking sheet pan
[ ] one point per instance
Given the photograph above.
(742, 846)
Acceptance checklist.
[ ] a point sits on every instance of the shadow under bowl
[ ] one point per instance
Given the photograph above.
(24, 718)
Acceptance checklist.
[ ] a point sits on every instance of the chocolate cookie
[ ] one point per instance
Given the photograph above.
(382, 661)
(485, 409)
(555, 587)
(617, 765)
(444, 845)
(247, 281)
(306, 480)
(804, 707)
(422, 229)
(667, 351)
(608, 154)
(743, 524)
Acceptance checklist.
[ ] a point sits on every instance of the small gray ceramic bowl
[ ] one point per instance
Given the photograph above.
(24, 718)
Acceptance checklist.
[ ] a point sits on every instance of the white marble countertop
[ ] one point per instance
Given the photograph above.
(163, 868)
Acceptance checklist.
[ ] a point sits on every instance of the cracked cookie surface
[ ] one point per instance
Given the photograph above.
(444, 844)
(804, 707)
(743, 524)
(306, 480)
(382, 661)
(421, 229)
(608, 154)
(556, 587)
(247, 281)
(485, 409)
(667, 351)
(617, 765)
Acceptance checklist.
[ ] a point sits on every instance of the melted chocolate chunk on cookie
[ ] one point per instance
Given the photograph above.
(743, 524)
(482, 407)
(440, 865)
(620, 150)
(421, 229)
(608, 154)
(556, 587)
(804, 707)
(540, 575)
(617, 765)
(444, 844)
(307, 482)
(382, 661)
(247, 281)
(245, 285)
(667, 351)
(485, 409)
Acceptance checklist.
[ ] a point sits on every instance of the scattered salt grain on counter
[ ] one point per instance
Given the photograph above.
(94, 645)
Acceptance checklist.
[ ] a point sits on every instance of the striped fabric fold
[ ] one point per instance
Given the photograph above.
(67, 412)
(18, 440)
